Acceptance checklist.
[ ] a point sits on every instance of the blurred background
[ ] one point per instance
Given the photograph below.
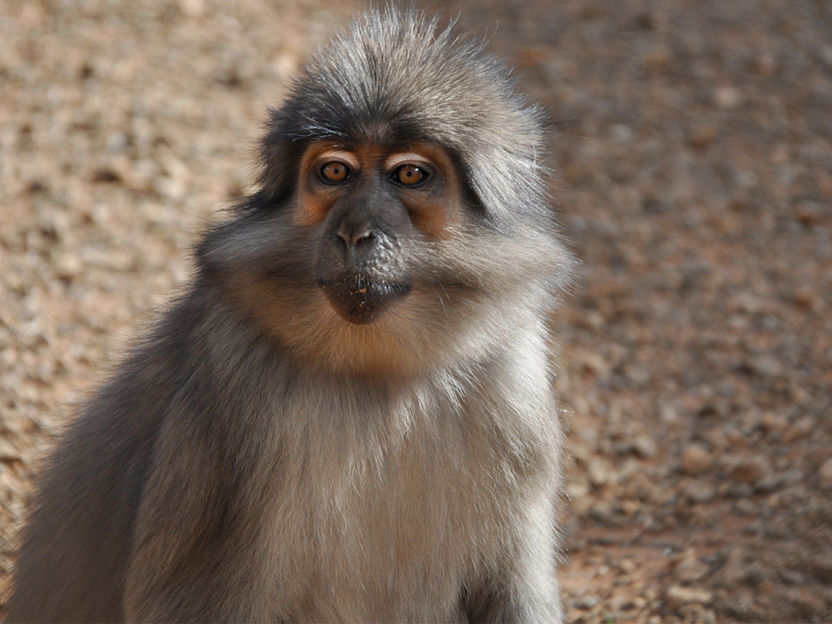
(692, 142)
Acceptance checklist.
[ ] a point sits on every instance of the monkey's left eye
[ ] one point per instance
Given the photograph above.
(335, 172)
(410, 175)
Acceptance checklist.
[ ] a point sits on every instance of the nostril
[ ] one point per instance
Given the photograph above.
(340, 242)
(354, 236)
(364, 237)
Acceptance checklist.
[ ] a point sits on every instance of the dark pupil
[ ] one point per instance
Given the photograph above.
(334, 171)
(410, 174)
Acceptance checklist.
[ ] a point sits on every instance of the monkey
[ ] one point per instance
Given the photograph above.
(348, 414)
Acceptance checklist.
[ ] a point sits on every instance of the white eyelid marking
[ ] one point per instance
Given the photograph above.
(346, 157)
(407, 158)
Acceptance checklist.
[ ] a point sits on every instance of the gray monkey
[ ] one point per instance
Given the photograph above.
(348, 415)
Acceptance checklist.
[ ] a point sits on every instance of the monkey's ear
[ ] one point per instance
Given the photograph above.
(280, 155)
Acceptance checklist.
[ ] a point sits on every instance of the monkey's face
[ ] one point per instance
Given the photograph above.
(371, 207)
(380, 261)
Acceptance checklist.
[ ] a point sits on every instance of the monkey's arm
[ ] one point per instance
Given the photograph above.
(521, 584)
(74, 554)
(192, 559)
(531, 576)
(194, 550)
(523, 587)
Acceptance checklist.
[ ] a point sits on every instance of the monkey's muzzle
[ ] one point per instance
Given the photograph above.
(359, 300)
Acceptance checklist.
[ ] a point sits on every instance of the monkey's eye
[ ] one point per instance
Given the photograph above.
(410, 175)
(335, 172)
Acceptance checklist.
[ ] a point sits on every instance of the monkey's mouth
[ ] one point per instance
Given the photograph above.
(360, 300)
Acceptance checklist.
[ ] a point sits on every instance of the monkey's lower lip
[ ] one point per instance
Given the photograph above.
(361, 301)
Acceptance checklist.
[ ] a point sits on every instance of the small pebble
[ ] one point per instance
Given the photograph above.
(695, 459)
(825, 473)
(679, 596)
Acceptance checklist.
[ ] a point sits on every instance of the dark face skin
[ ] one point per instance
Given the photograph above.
(370, 205)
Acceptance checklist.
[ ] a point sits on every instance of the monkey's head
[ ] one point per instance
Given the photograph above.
(401, 220)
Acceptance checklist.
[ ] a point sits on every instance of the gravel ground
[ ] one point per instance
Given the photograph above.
(693, 148)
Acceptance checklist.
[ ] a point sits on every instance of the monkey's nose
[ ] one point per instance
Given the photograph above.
(353, 235)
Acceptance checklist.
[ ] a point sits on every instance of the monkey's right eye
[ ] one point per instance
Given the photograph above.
(335, 172)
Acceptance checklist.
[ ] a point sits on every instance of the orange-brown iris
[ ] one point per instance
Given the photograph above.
(334, 171)
(409, 174)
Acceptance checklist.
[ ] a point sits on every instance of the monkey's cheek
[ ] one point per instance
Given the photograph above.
(359, 303)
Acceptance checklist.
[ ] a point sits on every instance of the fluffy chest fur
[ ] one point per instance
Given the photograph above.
(411, 473)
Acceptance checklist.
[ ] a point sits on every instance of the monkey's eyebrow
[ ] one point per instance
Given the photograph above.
(394, 160)
(347, 157)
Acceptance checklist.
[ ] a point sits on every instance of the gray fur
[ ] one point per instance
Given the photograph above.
(257, 458)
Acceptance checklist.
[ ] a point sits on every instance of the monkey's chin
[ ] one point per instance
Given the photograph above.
(360, 301)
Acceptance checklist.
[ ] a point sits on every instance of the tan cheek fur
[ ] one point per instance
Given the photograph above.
(316, 336)
(436, 215)
(314, 201)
